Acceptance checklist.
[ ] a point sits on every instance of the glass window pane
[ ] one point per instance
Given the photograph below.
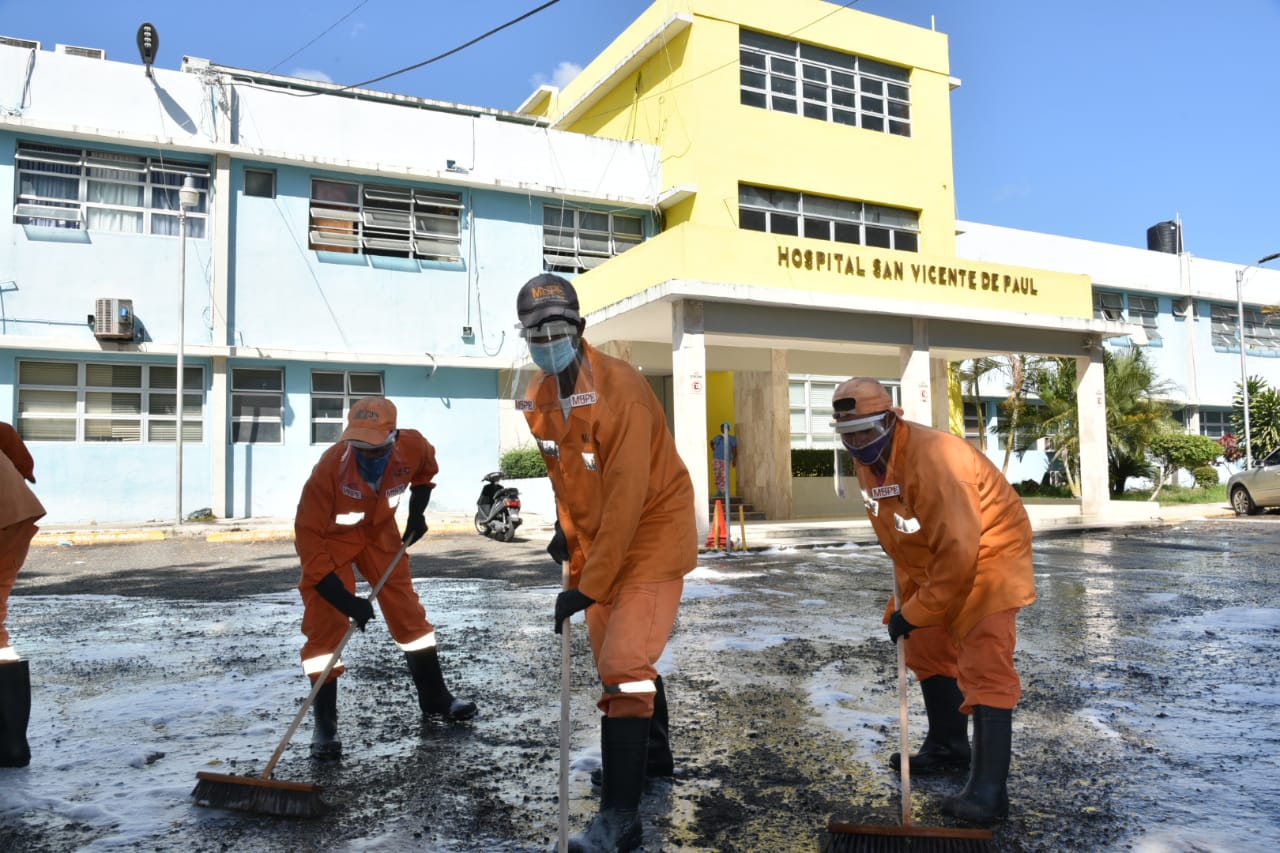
(328, 408)
(328, 383)
(107, 429)
(325, 433)
(256, 406)
(782, 85)
(784, 223)
(872, 122)
(243, 432)
(753, 79)
(751, 58)
(784, 105)
(47, 373)
(752, 220)
(817, 228)
(257, 379)
(848, 233)
(878, 237)
(366, 384)
(906, 241)
(112, 402)
(754, 99)
(48, 429)
(38, 401)
(628, 225)
(114, 375)
(778, 65)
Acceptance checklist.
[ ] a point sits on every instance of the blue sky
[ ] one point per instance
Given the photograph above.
(1089, 119)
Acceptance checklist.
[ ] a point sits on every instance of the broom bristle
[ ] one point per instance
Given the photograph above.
(856, 838)
(253, 794)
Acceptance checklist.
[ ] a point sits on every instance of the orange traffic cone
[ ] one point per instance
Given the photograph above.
(718, 529)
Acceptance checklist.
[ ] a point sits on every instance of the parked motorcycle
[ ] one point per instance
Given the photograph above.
(498, 508)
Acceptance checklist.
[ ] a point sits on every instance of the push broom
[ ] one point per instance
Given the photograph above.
(904, 838)
(261, 793)
(565, 671)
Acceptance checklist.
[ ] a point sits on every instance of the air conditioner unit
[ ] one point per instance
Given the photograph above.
(113, 319)
(29, 44)
(88, 52)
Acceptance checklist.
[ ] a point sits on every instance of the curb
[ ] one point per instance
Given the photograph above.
(270, 534)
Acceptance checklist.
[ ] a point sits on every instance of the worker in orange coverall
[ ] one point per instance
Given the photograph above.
(625, 507)
(347, 516)
(19, 512)
(960, 542)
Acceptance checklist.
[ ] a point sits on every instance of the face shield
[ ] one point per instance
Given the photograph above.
(865, 437)
(534, 388)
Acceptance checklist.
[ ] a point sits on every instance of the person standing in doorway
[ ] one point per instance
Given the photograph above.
(625, 507)
(20, 509)
(960, 541)
(724, 457)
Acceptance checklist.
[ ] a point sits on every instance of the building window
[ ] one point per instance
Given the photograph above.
(260, 183)
(332, 393)
(397, 222)
(1143, 311)
(575, 240)
(825, 218)
(1260, 337)
(103, 191)
(257, 405)
(810, 410)
(792, 77)
(87, 402)
(1215, 423)
(1108, 306)
(975, 425)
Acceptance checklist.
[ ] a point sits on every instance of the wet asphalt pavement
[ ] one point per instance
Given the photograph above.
(1150, 719)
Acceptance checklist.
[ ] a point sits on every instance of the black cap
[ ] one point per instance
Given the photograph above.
(547, 297)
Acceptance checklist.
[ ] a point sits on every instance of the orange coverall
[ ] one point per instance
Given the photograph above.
(625, 502)
(342, 520)
(20, 509)
(960, 542)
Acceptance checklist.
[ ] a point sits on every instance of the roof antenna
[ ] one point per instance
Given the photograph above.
(148, 45)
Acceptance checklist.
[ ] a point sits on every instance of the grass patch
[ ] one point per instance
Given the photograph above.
(1178, 495)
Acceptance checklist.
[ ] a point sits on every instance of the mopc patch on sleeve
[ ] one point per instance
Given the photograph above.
(890, 491)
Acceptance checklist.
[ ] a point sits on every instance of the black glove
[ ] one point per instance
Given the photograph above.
(568, 603)
(332, 590)
(416, 526)
(899, 626)
(558, 548)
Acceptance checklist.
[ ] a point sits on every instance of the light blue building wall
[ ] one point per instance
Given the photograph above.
(263, 305)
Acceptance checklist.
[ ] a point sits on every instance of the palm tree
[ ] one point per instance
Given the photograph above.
(970, 375)
(1264, 417)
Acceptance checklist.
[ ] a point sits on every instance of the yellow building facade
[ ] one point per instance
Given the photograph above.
(806, 226)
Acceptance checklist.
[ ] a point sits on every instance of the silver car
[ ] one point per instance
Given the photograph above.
(1256, 489)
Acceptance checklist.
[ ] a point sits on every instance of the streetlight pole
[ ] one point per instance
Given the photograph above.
(1244, 373)
(188, 197)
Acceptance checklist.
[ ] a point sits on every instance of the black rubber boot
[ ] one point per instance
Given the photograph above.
(434, 697)
(946, 746)
(659, 763)
(623, 744)
(15, 711)
(325, 745)
(986, 797)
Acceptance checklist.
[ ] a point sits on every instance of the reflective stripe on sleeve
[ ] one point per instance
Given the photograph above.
(426, 642)
(315, 665)
(631, 687)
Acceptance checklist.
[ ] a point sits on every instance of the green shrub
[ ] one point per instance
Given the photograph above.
(807, 462)
(1027, 487)
(523, 463)
(1206, 476)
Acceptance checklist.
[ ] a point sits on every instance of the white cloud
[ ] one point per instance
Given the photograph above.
(560, 77)
(311, 74)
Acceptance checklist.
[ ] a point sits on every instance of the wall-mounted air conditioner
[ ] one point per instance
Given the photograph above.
(87, 52)
(113, 319)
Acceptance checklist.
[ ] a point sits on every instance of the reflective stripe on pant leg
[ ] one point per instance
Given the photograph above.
(316, 665)
(628, 638)
(426, 641)
(398, 602)
(8, 654)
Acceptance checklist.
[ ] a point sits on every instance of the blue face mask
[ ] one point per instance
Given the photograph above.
(556, 356)
(869, 453)
(371, 465)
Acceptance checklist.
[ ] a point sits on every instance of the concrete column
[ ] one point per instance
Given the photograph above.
(917, 391)
(218, 420)
(764, 438)
(939, 387)
(689, 395)
(1091, 404)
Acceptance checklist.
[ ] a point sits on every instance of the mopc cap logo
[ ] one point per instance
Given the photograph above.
(371, 422)
(546, 297)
